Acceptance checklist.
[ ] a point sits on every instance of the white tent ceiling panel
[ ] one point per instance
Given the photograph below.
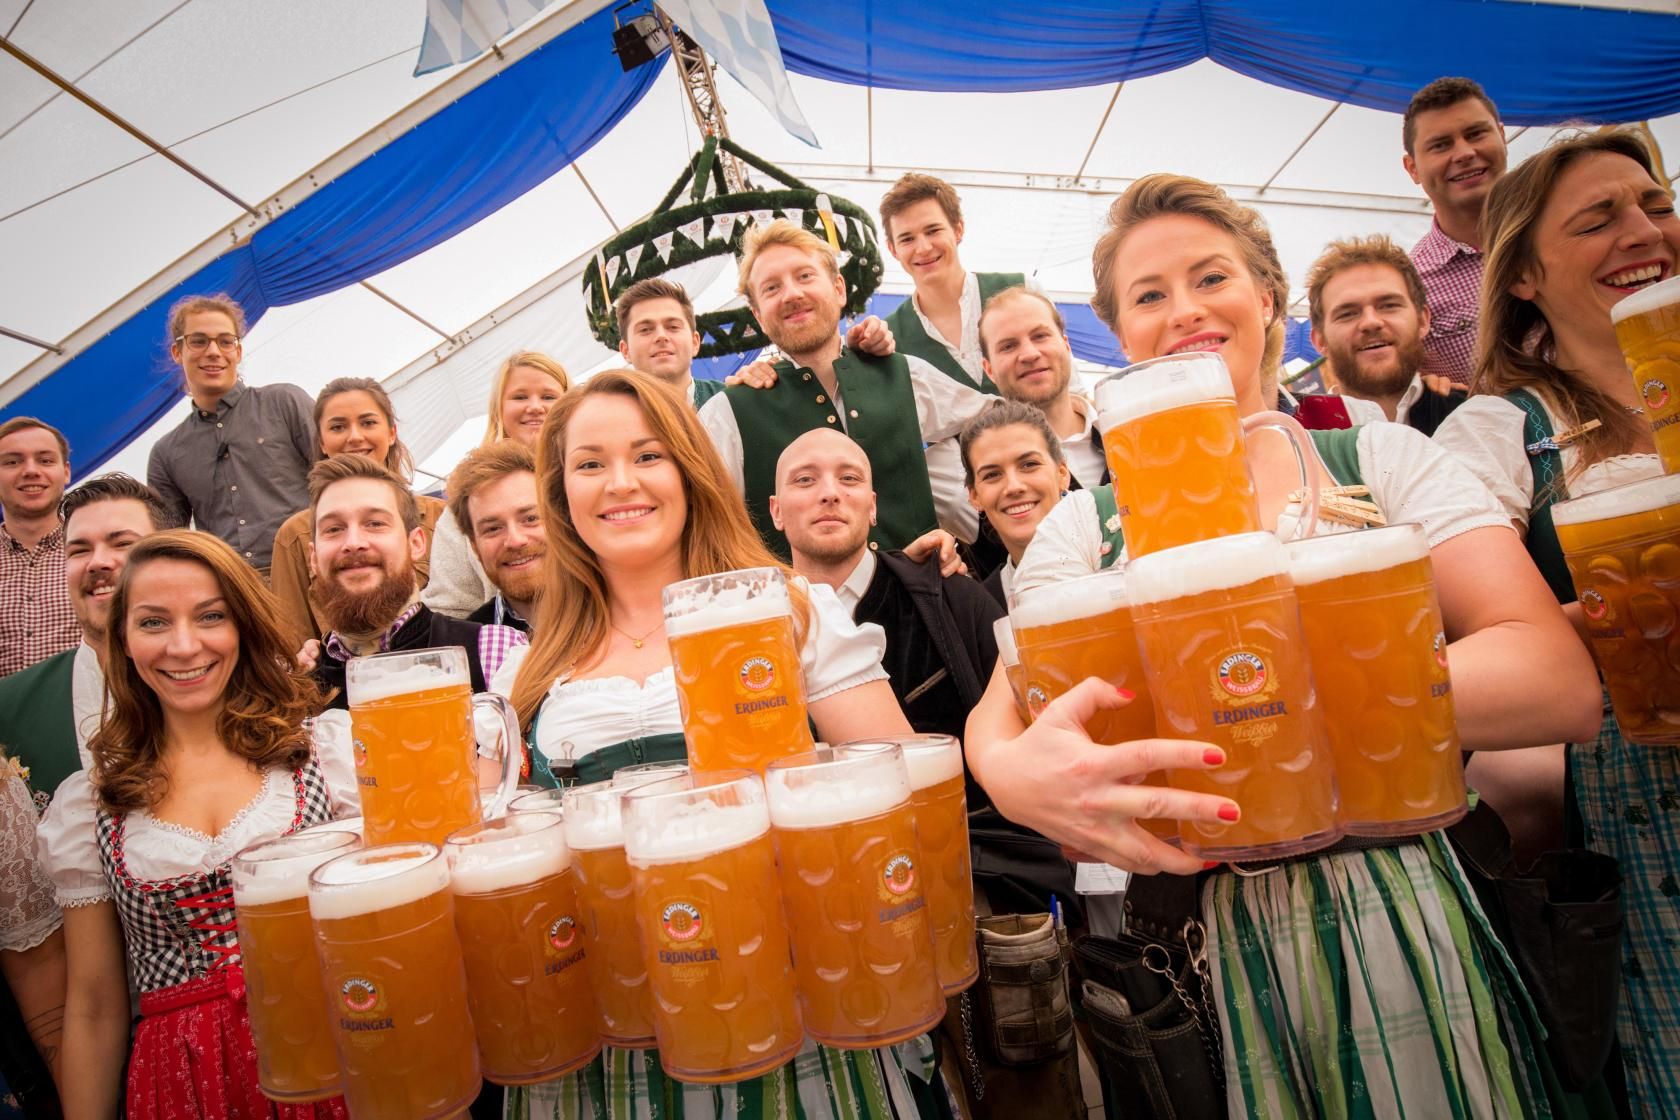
(1201, 120)
(633, 165)
(1357, 151)
(75, 38)
(1041, 131)
(839, 114)
(61, 145)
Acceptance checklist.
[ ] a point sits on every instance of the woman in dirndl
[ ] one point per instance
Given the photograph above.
(1569, 232)
(203, 751)
(1363, 982)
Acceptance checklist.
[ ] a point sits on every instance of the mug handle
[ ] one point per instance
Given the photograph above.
(512, 753)
(1306, 461)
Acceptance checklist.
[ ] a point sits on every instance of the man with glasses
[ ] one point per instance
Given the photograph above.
(238, 465)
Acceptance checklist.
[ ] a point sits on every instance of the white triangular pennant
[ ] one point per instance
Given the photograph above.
(662, 245)
(613, 267)
(796, 216)
(632, 256)
(761, 217)
(695, 231)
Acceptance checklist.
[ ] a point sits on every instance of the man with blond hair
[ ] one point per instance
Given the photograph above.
(892, 407)
(493, 497)
(1369, 316)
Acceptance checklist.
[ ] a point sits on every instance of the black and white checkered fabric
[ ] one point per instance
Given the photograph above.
(180, 929)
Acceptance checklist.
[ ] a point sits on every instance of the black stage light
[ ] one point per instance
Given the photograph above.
(639, 41)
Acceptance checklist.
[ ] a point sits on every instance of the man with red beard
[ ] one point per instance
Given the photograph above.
(1367, 307)
(367, 537)
(493, 496)
(892, 407)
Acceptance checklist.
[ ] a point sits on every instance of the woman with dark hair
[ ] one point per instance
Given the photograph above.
(353, 415)
(1358, 979)
(635, 498)
(203, 751)
(1569, 232)
(1015, 473)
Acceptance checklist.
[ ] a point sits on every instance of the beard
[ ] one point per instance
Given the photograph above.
(1039, 396)
(521, 585)
(362, 612)
(1361, 382)
(810, 335)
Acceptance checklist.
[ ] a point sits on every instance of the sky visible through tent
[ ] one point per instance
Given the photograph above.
(255, 94)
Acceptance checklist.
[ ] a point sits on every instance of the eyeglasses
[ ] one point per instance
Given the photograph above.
(198, 343)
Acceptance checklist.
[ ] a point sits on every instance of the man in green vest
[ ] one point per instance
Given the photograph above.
(50, 710)
(892, 407)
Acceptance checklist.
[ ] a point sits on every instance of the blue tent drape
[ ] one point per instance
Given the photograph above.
(467, 161)
(1541, 62)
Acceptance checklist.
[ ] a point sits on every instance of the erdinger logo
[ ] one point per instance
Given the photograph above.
(1242, 674)
(757, 674)
(359, 996)
(1440, 646)
(1655, 393)
(359, 750)
(899, 875)
(681, 921)
(562, 932)
(1593, 605)
(1037, 700)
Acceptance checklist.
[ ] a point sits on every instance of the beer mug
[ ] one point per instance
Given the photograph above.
(1379, 657)
(1010, 658)
(935, 765)
(1648, 328)
(1175, 448)
(391, 964)
(522, 943)
(739, 680)
(617, 969)
(1622, 546)
(1081, 628)
(290, 1019)
(411, 725)
(1220, 631)
(854, 884)
(709, 910)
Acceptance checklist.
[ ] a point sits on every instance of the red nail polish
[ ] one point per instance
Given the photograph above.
(1229, 813)
(1126, 694)
(1213, 756)
(1209, 865)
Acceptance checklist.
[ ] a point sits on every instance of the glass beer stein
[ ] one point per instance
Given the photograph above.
(1648, 329)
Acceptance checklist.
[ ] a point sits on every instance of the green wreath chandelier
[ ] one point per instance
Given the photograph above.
(699, 217)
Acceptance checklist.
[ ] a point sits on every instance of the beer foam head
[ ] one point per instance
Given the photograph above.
(929, 759)
(693, 816)
(1212, 565)
(278, 869)
(1620, 501)
(1334, 555)
(592, 816)
(1004, 631)
(1080, 597)
(828, 787)
(1647, 299)
(1159, 384)
(538, 801)
(728, 599)
(375, 879)
(511, 852)
(367, 679)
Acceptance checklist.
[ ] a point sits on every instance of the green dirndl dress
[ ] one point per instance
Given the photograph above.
(820, 1083)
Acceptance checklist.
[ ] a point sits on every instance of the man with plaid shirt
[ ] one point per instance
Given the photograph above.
(366, 538)
(1455, 149)
(36, 620)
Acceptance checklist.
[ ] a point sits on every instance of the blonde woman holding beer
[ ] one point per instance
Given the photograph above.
(202, 752)
(636, 498)
(1572, 231)
(1386, 988)
(527, 386)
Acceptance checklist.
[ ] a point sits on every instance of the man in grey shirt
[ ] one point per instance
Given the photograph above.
(238, 465)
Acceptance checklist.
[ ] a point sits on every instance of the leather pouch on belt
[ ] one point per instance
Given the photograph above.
(1021, 1001)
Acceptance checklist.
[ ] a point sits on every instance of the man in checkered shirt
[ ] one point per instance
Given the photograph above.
(36, 620)
(1455, 149)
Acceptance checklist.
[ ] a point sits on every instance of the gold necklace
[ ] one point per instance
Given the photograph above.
(635, 641)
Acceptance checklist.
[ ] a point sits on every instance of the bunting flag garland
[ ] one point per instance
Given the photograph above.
(699, 217)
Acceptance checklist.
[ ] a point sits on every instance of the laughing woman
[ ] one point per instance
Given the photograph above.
(1569, 232)
(1359, 982)
(203, 751)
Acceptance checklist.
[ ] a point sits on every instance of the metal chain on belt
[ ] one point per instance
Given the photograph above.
(974, 1080)
(1202, 1009)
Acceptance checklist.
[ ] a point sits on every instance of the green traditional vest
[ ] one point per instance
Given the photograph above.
(38, 722)
(913, 338)
(1546, 463)
(880, 403)
(705, 390)
(1338, 447)
(598, 766)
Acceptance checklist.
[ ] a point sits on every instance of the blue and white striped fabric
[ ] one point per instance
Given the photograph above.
(460, 30)
(738, 34)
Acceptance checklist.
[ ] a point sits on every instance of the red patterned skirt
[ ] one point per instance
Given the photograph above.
(193, 1056)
